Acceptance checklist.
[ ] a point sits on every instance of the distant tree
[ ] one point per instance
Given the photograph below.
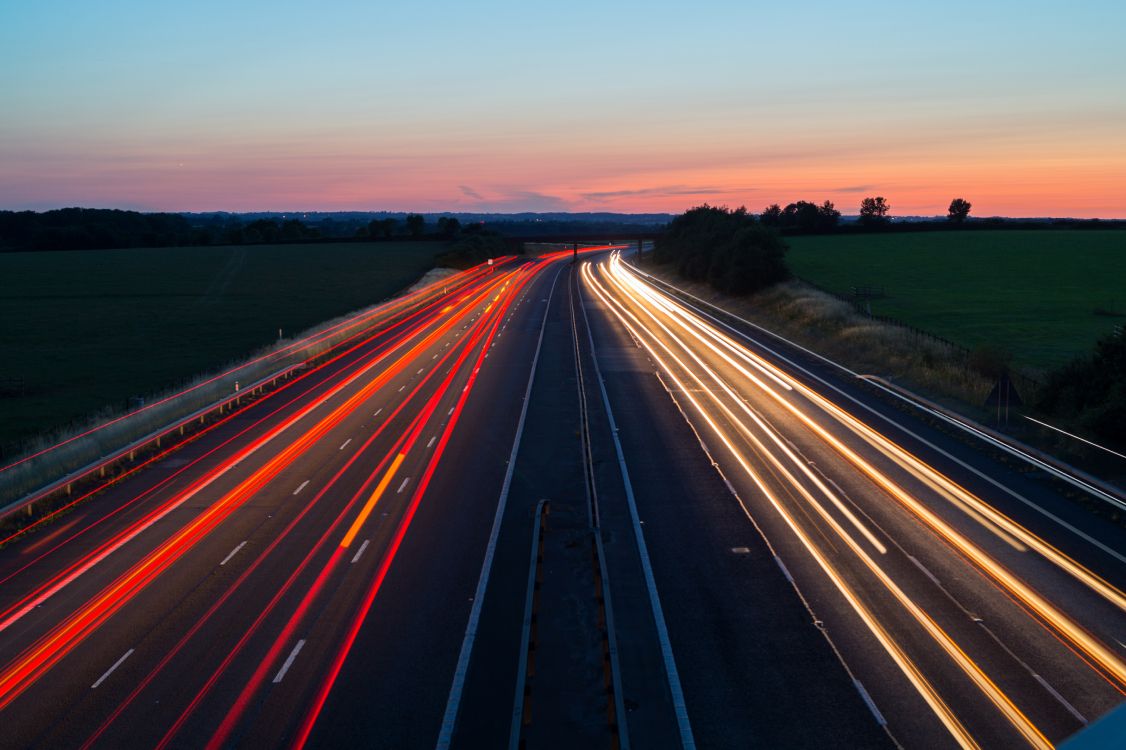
(448, 227)
(827, 216)
(262, 230)
(959, 210)
(232, 234)
(874, 211)
(382, 227)
(802, 216)
(771, 216)
(473, 247)
(294, 229)
(416, 224)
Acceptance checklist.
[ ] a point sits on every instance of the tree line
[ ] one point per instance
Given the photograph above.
(103, 229)
(806, 217)
(732, 250)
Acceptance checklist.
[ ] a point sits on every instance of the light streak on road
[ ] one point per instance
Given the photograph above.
(46, 652)
(680, 341)
(1065, 626)
(306, 343)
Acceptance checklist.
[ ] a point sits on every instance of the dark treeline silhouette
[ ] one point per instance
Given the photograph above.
(729, 249)
(802, 216)
(874, 215)
(92, 228)
(97, 229)
(472, 245)
(1090, 392)
(100, 229)
(104, 229)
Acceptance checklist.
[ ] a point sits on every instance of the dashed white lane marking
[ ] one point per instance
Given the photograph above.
(925, 572)
(403, 486)
(109, 671)
(420, 370)
(361, 550)
(431, 441)
(233, 552)
(401, 388)
(301, 486)
(451, 411)
(434, 357)
(1070, 708)
(345, 443)
(376, 414)
(289, 662)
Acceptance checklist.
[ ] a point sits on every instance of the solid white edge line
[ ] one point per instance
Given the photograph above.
(1071, 435)
(999, 485)
(289, 661)
(680, 708)
(453, 703)
(924, 570)
(233, 552)
(109, 671)
(1063, 701)
(360, 551)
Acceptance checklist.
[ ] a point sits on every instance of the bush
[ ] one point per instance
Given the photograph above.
(728, 249)
(475, 246)
(1092, 391)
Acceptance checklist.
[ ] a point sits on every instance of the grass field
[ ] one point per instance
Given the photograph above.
(86, 330)
(1043, 295)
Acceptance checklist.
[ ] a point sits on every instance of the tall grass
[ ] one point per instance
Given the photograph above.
(833, 328)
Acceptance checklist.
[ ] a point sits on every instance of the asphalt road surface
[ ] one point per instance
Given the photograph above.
(555, 508)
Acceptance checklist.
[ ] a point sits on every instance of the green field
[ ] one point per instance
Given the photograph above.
(1044, 295)
(85, 330)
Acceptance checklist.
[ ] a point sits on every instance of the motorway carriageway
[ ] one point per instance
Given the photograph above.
(969, 615)
(223, 588)
(790, 561)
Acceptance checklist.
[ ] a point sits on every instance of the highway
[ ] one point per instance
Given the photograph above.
(553, 507)
(975, 606)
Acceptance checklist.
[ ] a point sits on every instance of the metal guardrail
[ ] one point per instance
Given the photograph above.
(176, 427)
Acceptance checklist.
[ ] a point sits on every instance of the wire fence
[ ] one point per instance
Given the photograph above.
(860, 299)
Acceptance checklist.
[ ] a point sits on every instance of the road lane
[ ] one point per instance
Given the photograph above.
(876, 522)
(253, 512)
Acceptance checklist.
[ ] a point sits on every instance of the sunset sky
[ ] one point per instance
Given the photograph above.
(1019, 107)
